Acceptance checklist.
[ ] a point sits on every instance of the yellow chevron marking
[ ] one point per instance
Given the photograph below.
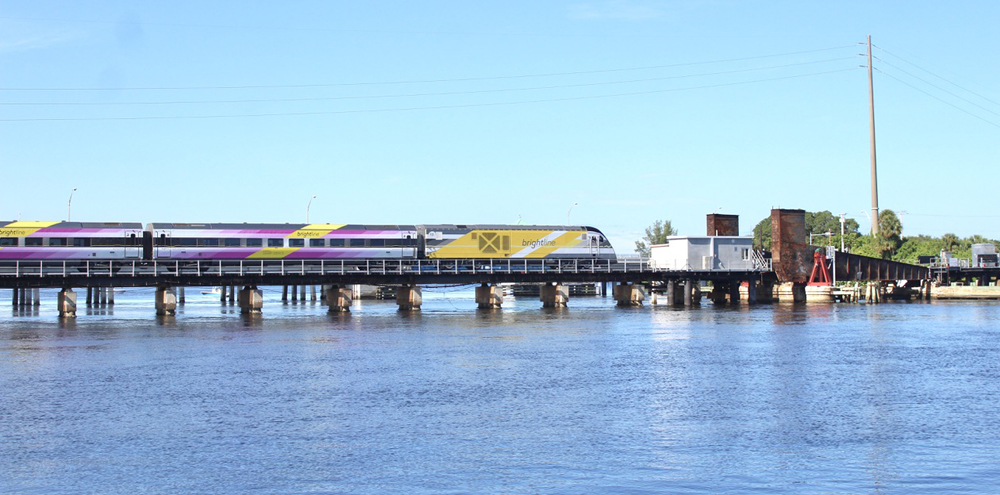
(314, 231)
(463, 247)
(30, 225)
(566, 240)
(272, 253)
(23, 229)
(505, 243)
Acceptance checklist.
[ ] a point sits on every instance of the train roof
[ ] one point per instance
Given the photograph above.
(507, 227)
(273, 226)
(71, 225)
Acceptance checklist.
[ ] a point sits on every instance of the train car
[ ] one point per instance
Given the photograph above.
(72, 241)
(513, 241)
(279, 241)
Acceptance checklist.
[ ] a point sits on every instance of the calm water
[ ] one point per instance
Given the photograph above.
(895, 398)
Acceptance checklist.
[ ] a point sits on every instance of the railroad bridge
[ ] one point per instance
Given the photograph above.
(628, 275)
(791, 262)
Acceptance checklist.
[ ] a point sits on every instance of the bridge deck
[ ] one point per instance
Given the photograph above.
(391, 271)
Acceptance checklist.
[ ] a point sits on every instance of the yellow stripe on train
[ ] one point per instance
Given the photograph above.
(506, 243)
(23, 229)
(567, 240)
(314, 231)
(272, 253)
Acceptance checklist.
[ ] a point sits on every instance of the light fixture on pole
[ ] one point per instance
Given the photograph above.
(308, 205)
(570, 211)
(69, 206)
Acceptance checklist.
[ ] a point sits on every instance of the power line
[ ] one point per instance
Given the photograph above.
(939, 99)
(939, 87)
(439, 107)
(937, 76)
(410, 95)
(428, 81)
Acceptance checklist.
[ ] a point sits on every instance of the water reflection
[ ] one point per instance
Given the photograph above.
(769, 398)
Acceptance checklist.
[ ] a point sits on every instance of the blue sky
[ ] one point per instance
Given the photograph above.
(495, 112)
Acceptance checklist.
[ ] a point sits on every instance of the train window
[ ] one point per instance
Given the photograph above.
(317, 242)
(105, 241)
(336, 243)
(296, 242)
(210, 242)
(8, 241)
(57, 241)
(81, 242)
(357, 242)
(230, 242)
(162, 240)
(275, 243)
(185, 242)
(255, 242)
(376, 242)
(33, 241)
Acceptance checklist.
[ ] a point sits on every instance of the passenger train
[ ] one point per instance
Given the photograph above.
(78, 241)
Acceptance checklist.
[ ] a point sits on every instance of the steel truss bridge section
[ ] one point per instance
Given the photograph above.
(136, 273)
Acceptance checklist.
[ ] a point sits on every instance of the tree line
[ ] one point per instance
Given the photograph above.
(889, 243)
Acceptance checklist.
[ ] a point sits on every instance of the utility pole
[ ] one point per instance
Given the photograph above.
(871, 108)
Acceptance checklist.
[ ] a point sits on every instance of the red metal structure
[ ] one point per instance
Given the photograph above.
(820, 273)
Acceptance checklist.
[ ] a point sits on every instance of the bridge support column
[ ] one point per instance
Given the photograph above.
(180, 296)
(553, 295)
(688, 293)
(36, 297)
(719, 291)
(675, 292)
(734, 292)
(90, 296)
(284, 294)
(166, 301)
(752, 291)
(23, 297)
(629, 294)
(103, 291)
(66, 303)
(488, 297)
(339, 299)
(312, 293)
(295, 294)
(302, 293)
(251, 300)
(409, 297)
(111, 296)
(798, 293)
(13, 297)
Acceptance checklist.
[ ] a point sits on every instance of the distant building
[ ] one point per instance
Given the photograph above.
(703, 253)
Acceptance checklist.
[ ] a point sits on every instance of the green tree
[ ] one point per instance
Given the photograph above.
(762, 234)
(949, 241)
(655, 234)
(890, 230)
(816, 223)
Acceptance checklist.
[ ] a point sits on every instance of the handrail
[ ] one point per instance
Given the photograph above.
(406, 266)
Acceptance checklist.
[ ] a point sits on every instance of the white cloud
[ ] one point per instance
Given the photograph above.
(33, 42)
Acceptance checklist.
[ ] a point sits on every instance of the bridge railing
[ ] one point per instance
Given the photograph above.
(244, 268)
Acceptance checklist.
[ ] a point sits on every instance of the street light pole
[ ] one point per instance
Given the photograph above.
(308, 205)
(842, 232)
(69, 206)
(570, 211)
